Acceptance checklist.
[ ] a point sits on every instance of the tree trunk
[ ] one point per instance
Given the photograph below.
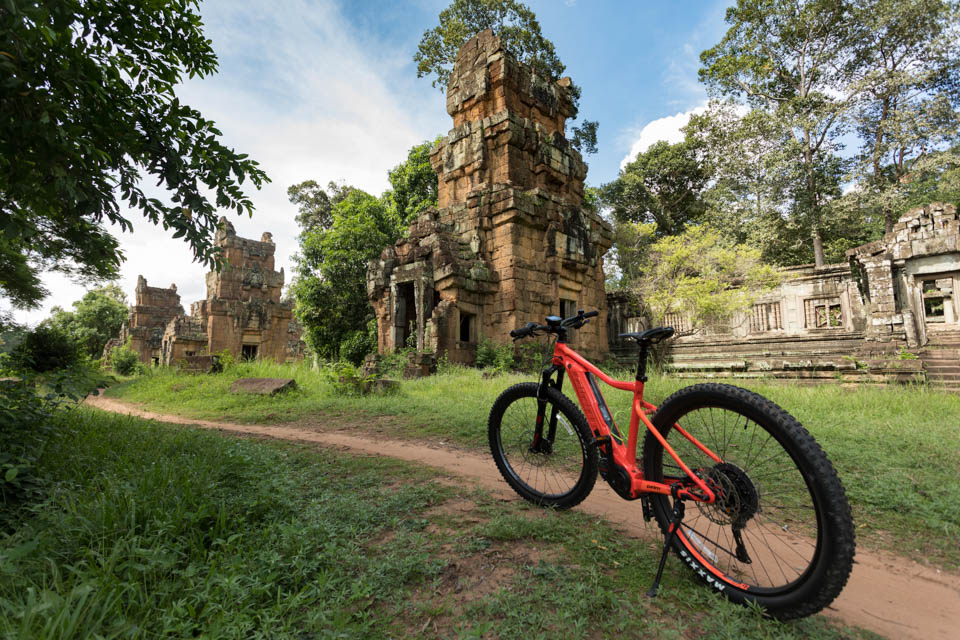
(888, 220)
(818, 260)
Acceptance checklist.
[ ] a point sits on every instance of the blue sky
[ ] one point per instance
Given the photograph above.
(327, 90)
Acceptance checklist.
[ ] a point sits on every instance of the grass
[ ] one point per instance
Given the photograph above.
(897, 449)
(152, 531)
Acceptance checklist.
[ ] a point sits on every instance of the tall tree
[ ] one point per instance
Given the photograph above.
(794, 59)
(314, 204)
(663, 184)
(742, 150)
(88, 108)
(909, 70)
(413, 183)
(342, 229)
(520, 35)
(95, 318)
(330, 282)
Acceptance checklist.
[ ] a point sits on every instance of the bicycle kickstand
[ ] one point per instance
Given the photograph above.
(676, 518)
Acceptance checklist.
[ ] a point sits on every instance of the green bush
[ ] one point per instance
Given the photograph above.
(28, 408)
(125, 360)
(45, 349)
(491, 355)
(359, 343)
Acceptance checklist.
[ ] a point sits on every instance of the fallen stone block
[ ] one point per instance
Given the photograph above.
(200, 364)
(263, 386)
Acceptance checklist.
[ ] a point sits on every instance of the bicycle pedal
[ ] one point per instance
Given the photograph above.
(647, 510)
(599, 442)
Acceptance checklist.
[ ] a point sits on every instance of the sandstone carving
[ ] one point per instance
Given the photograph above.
(510, 240)
(242, 313)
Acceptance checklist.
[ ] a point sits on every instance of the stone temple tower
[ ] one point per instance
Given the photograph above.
(510, 241)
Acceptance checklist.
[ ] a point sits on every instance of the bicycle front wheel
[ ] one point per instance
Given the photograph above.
(550, 464)
(780, 533)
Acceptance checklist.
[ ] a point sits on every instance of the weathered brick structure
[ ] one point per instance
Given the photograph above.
(510, 240)
(242, 313)
(153, 309)
(845, 321)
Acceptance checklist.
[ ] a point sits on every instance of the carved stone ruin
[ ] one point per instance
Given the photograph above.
(242, 313)
(850, 322)
(153, 309)
(510, 241)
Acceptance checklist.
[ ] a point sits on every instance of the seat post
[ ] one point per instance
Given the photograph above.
(642, 361)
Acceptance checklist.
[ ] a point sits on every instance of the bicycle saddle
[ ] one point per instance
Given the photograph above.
(650, 336)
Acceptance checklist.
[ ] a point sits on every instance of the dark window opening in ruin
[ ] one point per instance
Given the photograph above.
(936, 293)
(468, 329)
(249, 352)
(933, 309)
(829, 315)
(567, 307)
(188, 353)
(156, 361)
(406, 314)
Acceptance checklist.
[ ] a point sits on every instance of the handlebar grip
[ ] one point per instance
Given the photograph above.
(523, 332)
(591, 314)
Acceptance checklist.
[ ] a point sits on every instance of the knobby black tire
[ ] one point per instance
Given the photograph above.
(797, 528)
(561, 478)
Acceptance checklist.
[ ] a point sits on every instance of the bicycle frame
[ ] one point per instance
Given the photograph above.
(623, 455)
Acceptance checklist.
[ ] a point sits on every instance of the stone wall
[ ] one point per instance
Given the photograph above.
(845, 321)
(152, 311)
(510, 241)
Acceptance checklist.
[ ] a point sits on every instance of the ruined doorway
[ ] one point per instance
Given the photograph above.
(406, 315)
(936, 294)
(248, 352)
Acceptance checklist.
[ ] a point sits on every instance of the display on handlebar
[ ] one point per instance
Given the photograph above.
(554, 324)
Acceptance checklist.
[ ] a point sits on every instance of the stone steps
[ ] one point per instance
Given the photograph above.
(942, 363)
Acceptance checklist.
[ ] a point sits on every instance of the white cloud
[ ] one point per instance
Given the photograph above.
(666, 128)
(307, 97)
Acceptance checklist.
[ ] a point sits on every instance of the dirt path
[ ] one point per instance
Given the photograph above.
(886, 594)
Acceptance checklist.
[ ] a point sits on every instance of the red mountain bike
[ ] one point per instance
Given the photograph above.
(769, 520)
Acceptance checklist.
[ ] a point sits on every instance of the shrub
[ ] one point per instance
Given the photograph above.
(359, 343)
(491, 355)
(530, 357)
(344, 377)
(28, 420)
(225, 360)
(45, 349)
(125, 360)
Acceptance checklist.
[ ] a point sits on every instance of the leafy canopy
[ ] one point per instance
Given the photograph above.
(513, 21)
(95, 318)
(908, 65)
(330, 286)
(520, 35)
(88, 109)
(701, 275)
(661, 185)
(793, 59)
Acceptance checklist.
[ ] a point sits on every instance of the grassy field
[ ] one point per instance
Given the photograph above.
(897, 449)
(153, 531)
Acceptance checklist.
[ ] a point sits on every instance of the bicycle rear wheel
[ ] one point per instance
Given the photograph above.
(553, 466)
(780, 533)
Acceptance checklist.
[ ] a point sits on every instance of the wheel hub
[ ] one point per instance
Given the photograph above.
(737, 499)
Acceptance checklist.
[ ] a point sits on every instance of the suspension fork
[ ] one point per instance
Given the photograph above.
(541, 445)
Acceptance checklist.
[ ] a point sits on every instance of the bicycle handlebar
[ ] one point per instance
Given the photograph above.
(557, 326)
